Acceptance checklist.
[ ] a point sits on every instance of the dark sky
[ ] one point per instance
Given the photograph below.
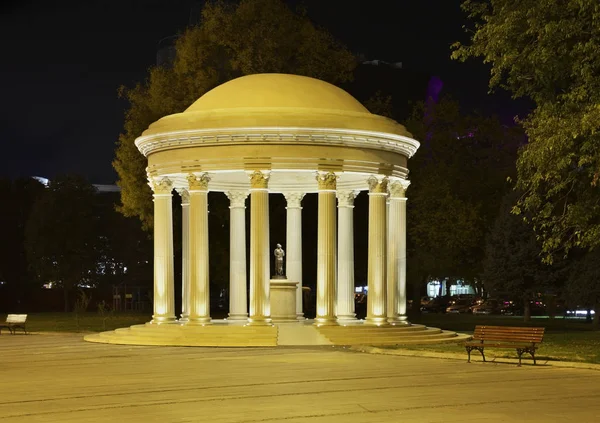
(62, 62)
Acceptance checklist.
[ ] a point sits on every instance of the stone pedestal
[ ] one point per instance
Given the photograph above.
(283, 300)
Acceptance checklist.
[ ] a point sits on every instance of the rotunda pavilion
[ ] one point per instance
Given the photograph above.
(278, 134)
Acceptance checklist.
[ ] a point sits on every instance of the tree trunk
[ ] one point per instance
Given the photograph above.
(66, 298)
(551, 306)
(527, 311)
(596, 321)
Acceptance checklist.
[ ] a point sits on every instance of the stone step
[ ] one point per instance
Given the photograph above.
(137, 340)
(343, 333)
(210, 330)
(126, 336)
(373, 329)
(227, 335)
(359, 332)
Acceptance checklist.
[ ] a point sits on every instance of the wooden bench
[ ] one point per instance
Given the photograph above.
(14, 321)
(524, 340)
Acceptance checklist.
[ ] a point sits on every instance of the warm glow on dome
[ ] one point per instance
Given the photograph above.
(277, 90)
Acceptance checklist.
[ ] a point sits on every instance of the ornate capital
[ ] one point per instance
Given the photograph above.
(294, 199)
(259, 180)
(346, 198)
(326, 181)
(163, 186)
(377, 186)
(185, 196)
(198, 183)
(237, 199)
(398, 188)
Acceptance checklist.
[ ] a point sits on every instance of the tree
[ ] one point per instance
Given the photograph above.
(254, 36)
(512, 263)
(458, 177)
(61, 236)
(20, 194)
(551, 54)
(123, 246)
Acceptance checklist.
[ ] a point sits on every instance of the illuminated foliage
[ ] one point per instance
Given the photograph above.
(254, 36)
(550, 53)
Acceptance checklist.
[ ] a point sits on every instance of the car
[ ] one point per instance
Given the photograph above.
(459, 306)
(437, 305)
(511, 308)
(490, 306)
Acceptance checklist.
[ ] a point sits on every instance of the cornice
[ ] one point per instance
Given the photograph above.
(290, 135)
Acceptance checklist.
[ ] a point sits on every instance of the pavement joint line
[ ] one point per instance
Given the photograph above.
(456, 356)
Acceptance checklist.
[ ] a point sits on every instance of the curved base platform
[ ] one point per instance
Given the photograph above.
(236, 334)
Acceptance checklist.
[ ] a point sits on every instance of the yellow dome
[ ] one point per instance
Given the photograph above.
(277, 90)
(276, 100)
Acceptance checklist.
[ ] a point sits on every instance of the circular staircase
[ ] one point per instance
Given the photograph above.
(227, 334)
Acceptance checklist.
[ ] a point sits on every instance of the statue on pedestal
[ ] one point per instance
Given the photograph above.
(279, 254)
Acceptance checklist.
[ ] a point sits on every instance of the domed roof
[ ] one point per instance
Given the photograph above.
(291, 125)
(277, 90)
(276, 101)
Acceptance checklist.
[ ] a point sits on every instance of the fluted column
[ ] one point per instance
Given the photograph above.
(326, 265)
(376, 297)
(164, 298)
(238, 308)
(345, 265)
(397, 253)
(260, 307)
(185, 254)
(391, 285)
(199, 303)
(294, 245)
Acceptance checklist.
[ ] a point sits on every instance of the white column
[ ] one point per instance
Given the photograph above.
(199, 303)
(260, 306)
(376, 297)
(397, 254)
(164, 298)
(238, 308)
(185, 254)
(345, 273)
(294, 245)
(326, 266)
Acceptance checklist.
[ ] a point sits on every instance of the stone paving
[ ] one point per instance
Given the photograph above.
(60, 378)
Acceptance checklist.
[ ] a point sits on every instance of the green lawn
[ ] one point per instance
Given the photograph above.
(565, 339)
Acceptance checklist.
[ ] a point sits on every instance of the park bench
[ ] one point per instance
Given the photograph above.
(524, 340)
(14, 321)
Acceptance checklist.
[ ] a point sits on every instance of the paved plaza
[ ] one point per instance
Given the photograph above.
(61, 378)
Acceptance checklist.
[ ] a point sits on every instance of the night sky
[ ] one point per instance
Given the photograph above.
(63, 61)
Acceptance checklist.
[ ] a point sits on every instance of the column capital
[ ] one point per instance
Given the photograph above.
(259, 179)
(346, 198)
(377, 185)
(185, 196)
(294, 199)
(237, 199)
(164, 186)
(398, 188)
(198, 182)
(327, 181)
